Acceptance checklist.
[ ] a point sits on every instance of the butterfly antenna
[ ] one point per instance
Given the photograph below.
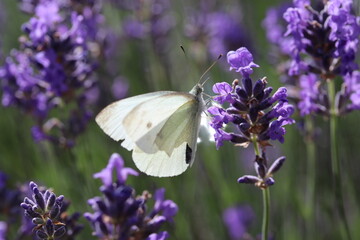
(183, 49)
(207, 70)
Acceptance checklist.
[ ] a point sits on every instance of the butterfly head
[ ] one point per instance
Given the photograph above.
(197, 90)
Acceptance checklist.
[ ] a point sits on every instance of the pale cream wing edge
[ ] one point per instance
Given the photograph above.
(159, 164)
(111, 118)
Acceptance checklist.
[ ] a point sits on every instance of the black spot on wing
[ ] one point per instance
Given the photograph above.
(148, 125)
(188, 154)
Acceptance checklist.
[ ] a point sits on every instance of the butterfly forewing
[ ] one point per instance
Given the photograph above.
(111, 118)
(148, 118)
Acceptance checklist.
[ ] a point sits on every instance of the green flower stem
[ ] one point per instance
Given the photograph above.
(266, 206)
(266, 202)
(336, 167)
(309, 212)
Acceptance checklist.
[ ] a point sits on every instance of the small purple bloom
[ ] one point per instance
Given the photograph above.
(224, 91)
(117, 163)
(221, 136)
(277, 131)
(280, 94)
(167, 207)
(48, 11)
(241, 61)
(158, 236)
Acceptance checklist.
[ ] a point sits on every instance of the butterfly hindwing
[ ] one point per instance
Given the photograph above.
(175, 143)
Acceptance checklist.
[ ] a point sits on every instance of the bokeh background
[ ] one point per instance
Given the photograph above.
(139, 54)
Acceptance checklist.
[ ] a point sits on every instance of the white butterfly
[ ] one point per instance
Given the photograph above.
(160, 127)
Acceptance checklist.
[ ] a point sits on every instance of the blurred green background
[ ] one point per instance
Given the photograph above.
(204, 191)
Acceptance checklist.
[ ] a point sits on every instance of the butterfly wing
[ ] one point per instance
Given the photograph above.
(161, 128)
(175, 142)
(111, 118)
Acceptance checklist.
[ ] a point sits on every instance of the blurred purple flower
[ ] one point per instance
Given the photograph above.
(9, 201)
(53, 68)
(309, 94)
(352, 93)
(134, 28)
(237, 220)
(3, 230)
(219, 31)
(158, 236)
(120, 87)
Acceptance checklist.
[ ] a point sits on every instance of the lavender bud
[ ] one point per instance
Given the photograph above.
(269, 181)
(51, 201)
(249, 179)
(55, 211)
(276, 165)
(60, 232)
(41, 234)
(247, 83)
(239, 105)
(241, 93)
(49, 227)
(253, 113)
(244, 127)
(37, 221)
(258, 87)
(260, 168)
(267, 92)
(46, 195)
(238, 139)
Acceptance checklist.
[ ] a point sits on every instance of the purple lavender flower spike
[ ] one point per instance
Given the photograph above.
(251, 111)
(106, 175)
(241, 61)
(237, 220)
(257, 117)
(48, 216)
(121, 206)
